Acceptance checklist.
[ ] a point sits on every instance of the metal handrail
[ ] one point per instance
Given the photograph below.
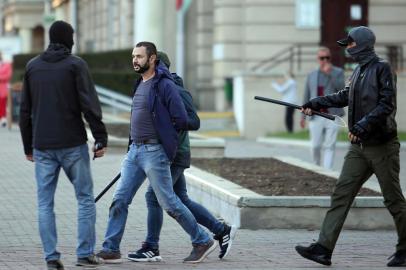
(114, 99)
(295, 55)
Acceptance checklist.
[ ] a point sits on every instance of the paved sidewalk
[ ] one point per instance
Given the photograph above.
(20, 246)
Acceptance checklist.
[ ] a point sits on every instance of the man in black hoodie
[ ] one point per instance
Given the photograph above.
(371, 100)
(57, 90)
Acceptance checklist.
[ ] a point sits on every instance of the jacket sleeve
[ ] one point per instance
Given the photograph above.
(25, 121)
(306, 96)
(89, 103)
(386, 101)
(337, 100)
(193, 119)
(338, 81)
(175, 106)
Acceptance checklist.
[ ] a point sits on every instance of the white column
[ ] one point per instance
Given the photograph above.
(47, 12)
(26, 39)
(149, 21)
(74, 22)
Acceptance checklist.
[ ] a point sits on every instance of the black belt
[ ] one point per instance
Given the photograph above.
(148, 141)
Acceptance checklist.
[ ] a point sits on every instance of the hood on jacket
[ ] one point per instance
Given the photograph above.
(161, 71)
(55, 53)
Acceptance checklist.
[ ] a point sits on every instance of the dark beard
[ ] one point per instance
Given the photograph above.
(143, 68)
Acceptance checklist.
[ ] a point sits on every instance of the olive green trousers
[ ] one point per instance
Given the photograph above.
(359, 164)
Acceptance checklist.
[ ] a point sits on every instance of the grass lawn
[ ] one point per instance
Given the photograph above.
(304, 135)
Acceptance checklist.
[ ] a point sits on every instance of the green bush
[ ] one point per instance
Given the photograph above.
(112, 69)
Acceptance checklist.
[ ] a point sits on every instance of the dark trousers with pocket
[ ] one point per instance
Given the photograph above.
(359, 164)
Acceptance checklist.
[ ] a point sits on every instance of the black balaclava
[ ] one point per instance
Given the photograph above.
(364, 51)
(61, 32)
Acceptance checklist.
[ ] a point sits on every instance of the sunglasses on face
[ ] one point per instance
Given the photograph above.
(322, 58)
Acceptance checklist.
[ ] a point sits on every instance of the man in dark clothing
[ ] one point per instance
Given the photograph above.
(57, 91)
(156, 116)
(371, 100)
(223, 233)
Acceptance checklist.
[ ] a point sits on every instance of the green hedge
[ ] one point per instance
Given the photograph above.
(112, 69)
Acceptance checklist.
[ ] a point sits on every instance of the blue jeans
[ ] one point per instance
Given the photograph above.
(75, 162)
(155, 213)
(141, 161)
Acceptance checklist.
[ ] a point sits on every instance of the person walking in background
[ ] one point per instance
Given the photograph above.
(325, 80)
(5, 76)
(157, 115)
(371, 101)
(287, 88)
(224, 233)
(57, 90)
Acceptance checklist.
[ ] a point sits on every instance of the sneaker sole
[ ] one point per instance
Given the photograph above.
(210, 250)
(233, 232)
(309, 257)
(153, 259)
(113, 261)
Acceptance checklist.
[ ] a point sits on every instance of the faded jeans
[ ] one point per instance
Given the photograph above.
(155, 213)
(323, 136)
(141, 161)
(75, 163)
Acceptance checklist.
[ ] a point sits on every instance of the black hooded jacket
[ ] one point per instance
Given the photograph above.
(57, 90)
(370, 95)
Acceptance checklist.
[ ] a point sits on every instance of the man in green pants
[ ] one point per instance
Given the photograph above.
(371, 100)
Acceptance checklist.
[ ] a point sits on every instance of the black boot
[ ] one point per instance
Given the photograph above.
(398, 259)
(315, 252)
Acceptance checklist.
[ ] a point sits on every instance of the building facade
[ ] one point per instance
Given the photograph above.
(221, 38)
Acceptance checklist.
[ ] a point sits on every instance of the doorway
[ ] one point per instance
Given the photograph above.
(337, 18)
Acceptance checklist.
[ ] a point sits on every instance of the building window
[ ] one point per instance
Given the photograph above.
(307, 13)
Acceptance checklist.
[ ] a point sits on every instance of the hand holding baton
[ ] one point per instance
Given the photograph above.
(337, 120)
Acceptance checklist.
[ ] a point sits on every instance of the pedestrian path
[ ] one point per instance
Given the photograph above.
(20, 246)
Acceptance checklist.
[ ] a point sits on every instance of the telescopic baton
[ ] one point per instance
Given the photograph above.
(107, 187)
(325, 115)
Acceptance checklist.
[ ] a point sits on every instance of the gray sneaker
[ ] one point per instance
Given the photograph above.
(200, 252)
(90, 261)
(110, 256)
(55, 265)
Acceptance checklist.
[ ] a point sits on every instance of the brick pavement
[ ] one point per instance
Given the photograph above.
(20, 246)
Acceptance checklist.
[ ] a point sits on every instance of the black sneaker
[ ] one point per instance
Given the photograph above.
(315, 252)
(110, 256)
(398, 259)
(90, 261)
(226, 239)
(55, 265)
(145, 254)
(200, 252)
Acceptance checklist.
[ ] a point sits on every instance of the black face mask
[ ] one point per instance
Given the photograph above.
(362, 56)
(143, 68)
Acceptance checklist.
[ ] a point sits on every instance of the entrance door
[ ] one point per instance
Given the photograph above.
(337, 18)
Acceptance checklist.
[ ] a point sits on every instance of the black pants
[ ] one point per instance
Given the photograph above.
(289, 119)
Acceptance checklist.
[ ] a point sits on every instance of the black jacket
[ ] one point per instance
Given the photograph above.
(57, 90)
(371, 100)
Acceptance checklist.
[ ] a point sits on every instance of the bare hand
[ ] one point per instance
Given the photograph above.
(306, 111)
(100, 152)
(29, 158)
(353, 138)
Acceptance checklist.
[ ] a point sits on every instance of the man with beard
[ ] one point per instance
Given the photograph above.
(371, 100)
(57, 90)
(149, 251)
(156, 116)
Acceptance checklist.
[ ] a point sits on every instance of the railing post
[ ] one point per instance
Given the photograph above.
(291, 51)
(299, 57)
